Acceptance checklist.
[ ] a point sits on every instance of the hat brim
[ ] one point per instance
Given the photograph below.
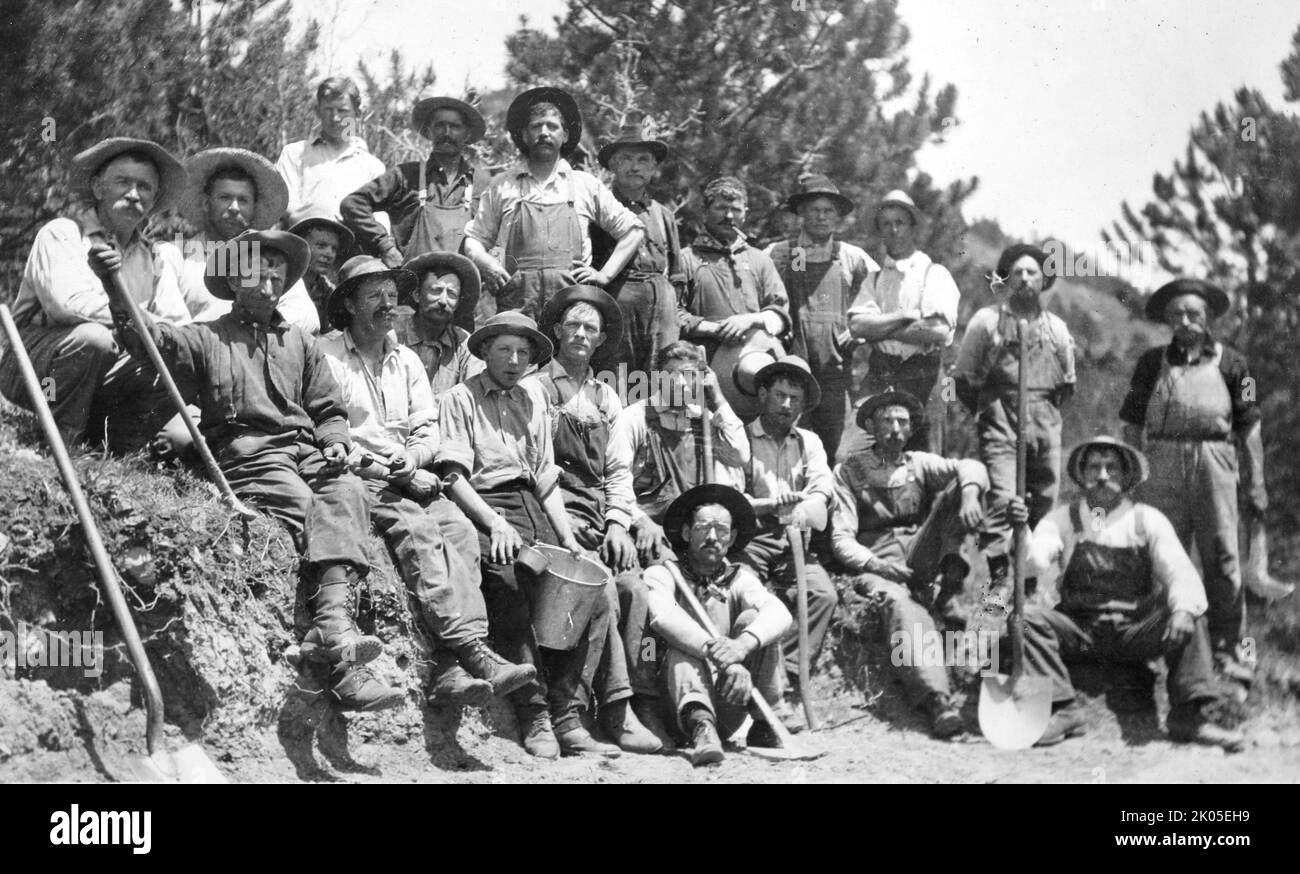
(346, 238)
(222, 257)
(656, 148)
(424, 110)
(172, 177)
(610, 313)
(517, 116)
(889, 399)
(1216, 300)
(743, 521)
(782, 368)
(1013, 254)
(901, 204)
(843, 205)
(540, 341)
(471, 284)
(272, 193)
(335, 309)
(1136, 462)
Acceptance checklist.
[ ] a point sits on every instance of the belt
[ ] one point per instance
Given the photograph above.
(518, 484)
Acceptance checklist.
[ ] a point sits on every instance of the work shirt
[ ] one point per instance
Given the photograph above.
(59, 288)
(593, 202)
(320, 175)
(914, 286)
(727, 279)
(446, 359)
(736, 585)
(498, 435)
(388, 411)
(853, 263)
(876, 500)
(397, 193)
(246, 377)
(1052, 545)
(295, 304)
(1232, 365)
(798, 460)
(660, 253)
(992, 330)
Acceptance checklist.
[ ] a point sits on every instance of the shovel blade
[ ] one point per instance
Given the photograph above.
(189, 764)
(794, 753)
(1014, 711)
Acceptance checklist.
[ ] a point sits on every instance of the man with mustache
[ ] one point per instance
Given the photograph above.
(1128, 594)
(428, 202)
(541, 209)
(709, 679)
(231, 191)
(1187, 405)
(987, 376)
(62, 311)
(447, 293)
(273, 414)
(496, 456)
(899, 521)
(321, 170)
(391, 414)
(731, 288)
(330, 244)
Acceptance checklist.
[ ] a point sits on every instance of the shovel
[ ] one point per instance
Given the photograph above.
(188, 764)
(1014, 710)
(794, 536)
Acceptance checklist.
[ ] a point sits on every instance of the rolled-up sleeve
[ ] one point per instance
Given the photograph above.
(609, 215)
(486, 223)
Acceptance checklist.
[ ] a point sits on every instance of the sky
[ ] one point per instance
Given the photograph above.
(1065, 107)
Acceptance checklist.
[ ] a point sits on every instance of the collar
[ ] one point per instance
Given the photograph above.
(645, 201)
(875, 461)
(1177, 355)
(390, 344)
(277, 323)
(715, 583)
(1085, 511)
(450, 337)
(807, 243)
(562, 170)
(556, 371)
(351, 144)
(756, 429)
(707, 242)
(88, 220)
(489, 388)
(916, 260)
(464, 170)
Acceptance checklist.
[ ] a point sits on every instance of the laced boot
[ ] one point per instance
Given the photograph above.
(619, 723)
(334, 636)
(482, 663)
(355, 687)
(454, 687)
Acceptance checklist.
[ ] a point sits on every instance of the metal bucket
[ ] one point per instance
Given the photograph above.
(563, 594)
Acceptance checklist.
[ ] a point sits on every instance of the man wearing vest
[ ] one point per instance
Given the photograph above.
(1128, 594)
(541, 209)
(1187, 404)
(823, 276)
(428, 202)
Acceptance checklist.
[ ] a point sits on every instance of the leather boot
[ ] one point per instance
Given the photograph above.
(648, 714)
(334, 636)
(706, 746)
(538, 735)
(355, 687)
(945, 719)
(619, 723)
(482, 663)
(456, 688)
(1191, 726)
(575, 740)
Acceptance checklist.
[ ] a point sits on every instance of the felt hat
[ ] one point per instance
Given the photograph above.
(1135, 462)
(227, 257)
(738, 365)
(610, 314)
(351, 274)
(1012, 254)
(517, 116)
(272, 193)
(471, 284)
(171, 173)
(425, 107)
(795, 368)
(1216, 301)
(743, 521)
(814, 186)
(890, 397)
(633, 133)
(513, 323)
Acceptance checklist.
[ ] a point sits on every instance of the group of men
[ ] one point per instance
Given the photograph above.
(461, 444)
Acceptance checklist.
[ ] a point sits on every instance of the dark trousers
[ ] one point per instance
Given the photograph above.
(623, 669)
(563, 681)
(827, 419)
(770, 556)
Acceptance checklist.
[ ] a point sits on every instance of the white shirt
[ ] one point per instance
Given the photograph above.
(915, 286)
(320, 175)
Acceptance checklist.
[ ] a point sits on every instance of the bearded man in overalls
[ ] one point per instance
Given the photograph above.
(822, 276)
(597, 487)
(1190, 400)
(428, 202)
(539, 211)
(1128, 594)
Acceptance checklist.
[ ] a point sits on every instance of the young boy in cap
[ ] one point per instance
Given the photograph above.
(1188, 404)
(444, 300)
(273, 414)
(709, 679)
(496, 455)
(330, 243)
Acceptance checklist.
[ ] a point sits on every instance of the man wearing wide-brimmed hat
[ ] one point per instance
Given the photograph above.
(541, 209)
(1192, 406)
(332, 163)
(823, 276)
(597, 487)
(496, 455)
(646, 289)
(789, 483)
(228, 192)
(709, 679)
(899, 520)
(274, 416)
(731, 288)
(444, 301)
(330, 244)
(62, 310)
(428, 202)
(394, 438)
(1128, 591)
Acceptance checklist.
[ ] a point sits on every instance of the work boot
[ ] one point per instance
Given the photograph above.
(482, 663)
(1069, 721)
(945, 718)
(646, 711)
(457, 688)
(575, 740)
(706, 746)
(355, 687)
(1193, 727)
(334, 636)
(619, 723)
(539, 738)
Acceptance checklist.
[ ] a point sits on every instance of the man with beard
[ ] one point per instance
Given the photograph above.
(330, 243)
(899, 521)
(390, 411)
(1128, 594)
(428, 202)
(1187, 404)
(62, 312)
(541, 209)
(447, 293)
(320, 171)
(272, 412)
(731, 287)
